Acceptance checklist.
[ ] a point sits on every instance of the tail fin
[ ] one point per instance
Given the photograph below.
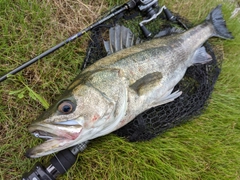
(216, 18)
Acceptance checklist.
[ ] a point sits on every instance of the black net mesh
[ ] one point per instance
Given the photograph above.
(197, 84)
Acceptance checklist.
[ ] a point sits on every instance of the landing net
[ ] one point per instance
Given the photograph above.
(197, 84)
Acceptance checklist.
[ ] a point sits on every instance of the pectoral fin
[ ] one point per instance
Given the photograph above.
(147, 83)
(169, 96)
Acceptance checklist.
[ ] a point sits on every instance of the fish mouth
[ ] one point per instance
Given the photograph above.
(57, 136)
(43, 134)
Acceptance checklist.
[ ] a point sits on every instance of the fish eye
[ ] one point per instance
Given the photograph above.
(66, 107)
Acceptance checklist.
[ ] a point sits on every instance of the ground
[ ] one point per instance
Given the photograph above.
(205, 148)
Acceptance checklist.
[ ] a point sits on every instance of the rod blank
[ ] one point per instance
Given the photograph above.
(51, 50)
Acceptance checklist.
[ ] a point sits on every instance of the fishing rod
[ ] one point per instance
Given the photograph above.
(60, 163)
(144, 6)
(63, 160)
(128, 5)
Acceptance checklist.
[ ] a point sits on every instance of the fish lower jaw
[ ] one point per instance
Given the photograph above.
(49, 146)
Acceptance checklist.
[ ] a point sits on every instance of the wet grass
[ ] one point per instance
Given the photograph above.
(205, 148)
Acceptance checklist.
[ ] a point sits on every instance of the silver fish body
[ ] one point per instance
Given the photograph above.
(111, 92)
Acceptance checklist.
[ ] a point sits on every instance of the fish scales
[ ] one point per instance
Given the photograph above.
(111, 92)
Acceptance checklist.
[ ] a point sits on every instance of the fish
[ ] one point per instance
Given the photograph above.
(135, 76)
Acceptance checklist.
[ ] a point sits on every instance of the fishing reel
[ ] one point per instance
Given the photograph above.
(151, 10)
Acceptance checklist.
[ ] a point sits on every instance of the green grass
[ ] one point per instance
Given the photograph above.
(206, 148)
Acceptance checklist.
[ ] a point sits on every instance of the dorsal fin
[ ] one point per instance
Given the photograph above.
(120, 38)
(168, 31)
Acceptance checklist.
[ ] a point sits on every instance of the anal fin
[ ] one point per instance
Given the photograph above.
(201, 56)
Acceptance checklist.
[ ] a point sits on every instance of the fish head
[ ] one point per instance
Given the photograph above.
(77, 116)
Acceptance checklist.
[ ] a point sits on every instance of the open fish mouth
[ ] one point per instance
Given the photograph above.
(57, 129)
(62, 137)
